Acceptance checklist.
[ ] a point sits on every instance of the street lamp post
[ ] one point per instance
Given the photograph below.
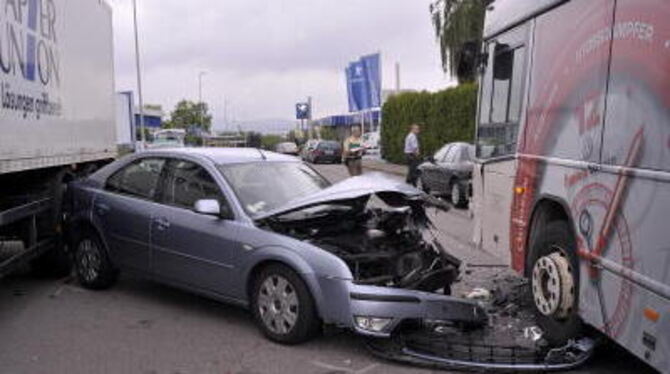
(201, 107)
(139, 76)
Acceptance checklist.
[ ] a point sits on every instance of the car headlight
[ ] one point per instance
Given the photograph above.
(373, 324)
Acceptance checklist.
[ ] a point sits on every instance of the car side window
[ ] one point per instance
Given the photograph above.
(139, 179)
(187, 183)
(441, 154)
(453, 154)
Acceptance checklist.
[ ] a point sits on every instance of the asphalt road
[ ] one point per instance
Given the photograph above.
(49, 326)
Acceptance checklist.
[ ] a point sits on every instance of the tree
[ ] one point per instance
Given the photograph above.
(456, 23)
(188, 114)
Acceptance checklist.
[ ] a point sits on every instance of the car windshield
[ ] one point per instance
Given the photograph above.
(264, 186)
(329, 145)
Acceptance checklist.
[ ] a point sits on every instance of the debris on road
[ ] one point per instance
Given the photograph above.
(511, 341)
(479, 294)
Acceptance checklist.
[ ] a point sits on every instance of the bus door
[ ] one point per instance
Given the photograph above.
(503, 85)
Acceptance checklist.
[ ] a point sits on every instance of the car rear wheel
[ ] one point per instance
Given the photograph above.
(94, 268)
(458, 194)
(554, 283)
(283, 306)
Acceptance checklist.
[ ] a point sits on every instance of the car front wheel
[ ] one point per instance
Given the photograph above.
(283, 306)
(94, 268)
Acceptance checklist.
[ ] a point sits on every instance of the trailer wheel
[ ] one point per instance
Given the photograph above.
(56, 262)
(94, 268)
(554, 273)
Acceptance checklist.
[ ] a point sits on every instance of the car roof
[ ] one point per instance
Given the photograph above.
(226, 155)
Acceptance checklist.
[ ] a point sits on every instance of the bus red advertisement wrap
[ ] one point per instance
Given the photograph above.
(593, 152)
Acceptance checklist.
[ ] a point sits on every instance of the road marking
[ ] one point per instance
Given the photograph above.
(335, 368)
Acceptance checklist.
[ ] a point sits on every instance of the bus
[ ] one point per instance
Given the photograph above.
(572, 179)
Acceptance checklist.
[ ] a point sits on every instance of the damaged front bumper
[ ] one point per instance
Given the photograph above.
(395, 306)
(445, 354)
(375, 311)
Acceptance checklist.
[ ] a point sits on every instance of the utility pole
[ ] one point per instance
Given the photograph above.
(309, 118)
(397, 77)
(139, 77)
(200, 104)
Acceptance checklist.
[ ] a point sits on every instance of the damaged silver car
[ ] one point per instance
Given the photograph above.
(268, 232)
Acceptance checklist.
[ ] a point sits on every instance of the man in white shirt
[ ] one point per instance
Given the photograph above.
(413, 154)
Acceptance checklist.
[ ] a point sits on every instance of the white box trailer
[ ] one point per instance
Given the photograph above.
(57, 114)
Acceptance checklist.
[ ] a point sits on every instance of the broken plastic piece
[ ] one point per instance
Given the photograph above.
(533, 333)
(479, 294)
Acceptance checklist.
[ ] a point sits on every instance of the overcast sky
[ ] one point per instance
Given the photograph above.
(263, 56)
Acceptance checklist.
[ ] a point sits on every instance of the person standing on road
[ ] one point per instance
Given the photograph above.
(413, 154)
(352, 152)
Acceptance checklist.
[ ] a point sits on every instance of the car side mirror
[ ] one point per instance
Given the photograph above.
(212, 207)
(430, 159)
(209, 207)
(468, 59)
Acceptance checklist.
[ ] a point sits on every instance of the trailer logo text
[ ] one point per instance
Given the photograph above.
(29, 58)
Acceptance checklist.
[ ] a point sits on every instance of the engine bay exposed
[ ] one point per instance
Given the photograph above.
(382, 246)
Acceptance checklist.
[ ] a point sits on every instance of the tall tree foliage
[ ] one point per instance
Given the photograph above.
(187, 114)
(456, 23)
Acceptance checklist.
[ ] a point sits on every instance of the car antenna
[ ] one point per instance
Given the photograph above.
(262, 154)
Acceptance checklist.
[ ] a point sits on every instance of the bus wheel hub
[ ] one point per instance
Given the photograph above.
(553, 286)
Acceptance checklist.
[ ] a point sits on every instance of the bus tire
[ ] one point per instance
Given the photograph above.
(554, 283)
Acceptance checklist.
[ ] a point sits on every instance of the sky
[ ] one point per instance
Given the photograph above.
(261, 57)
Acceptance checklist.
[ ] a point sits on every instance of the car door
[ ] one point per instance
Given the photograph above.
(430, 169)
(445, 170)
(189, 248)
(123, 210)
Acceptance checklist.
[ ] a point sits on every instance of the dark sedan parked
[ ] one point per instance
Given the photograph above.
(448, 172)
(266, 231)
(324, 151)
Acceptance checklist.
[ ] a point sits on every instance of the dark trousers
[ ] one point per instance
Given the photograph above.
(413, 162)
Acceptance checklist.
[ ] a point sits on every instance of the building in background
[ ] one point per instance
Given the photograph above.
(153, 117)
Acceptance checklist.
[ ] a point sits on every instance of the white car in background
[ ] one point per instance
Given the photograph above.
(371, 141)
(172, 138)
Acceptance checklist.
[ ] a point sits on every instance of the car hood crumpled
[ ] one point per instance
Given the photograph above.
(393, 192)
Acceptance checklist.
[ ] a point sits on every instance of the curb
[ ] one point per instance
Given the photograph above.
(383, 169)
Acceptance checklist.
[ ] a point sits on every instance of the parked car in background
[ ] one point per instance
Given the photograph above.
(324, 151)
(287, 148)
(307, 147)
(171, 138)
(371, 142)
(300, 254)
(448, 173)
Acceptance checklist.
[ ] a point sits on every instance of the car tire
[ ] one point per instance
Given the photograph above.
(286, 316)
(554, 283)
(94, 268)
(457, 194)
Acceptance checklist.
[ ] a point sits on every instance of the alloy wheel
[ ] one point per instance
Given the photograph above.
(88, 259)
(278, 304)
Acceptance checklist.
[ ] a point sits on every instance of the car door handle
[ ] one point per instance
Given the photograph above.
(101, 209)
(162, 224)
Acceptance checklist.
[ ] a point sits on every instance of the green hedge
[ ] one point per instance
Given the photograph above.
(446, 116)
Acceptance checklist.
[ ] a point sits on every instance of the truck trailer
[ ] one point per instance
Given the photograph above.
(57, 120)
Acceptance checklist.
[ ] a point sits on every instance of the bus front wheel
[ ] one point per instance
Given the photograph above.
(554, 283)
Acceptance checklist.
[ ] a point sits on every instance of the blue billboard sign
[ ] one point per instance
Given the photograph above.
(364, 83)
(302, 111)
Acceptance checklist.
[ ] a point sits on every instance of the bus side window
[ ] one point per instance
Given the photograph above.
(503, 86)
